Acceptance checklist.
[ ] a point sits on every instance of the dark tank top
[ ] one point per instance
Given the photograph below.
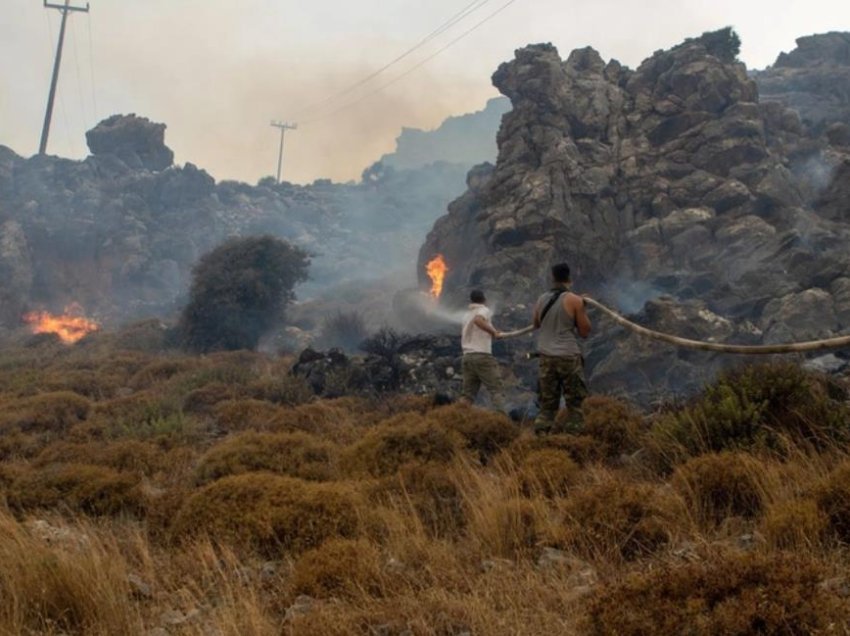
(556, 336)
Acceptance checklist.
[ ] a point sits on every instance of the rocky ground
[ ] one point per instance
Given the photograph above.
(719, 196)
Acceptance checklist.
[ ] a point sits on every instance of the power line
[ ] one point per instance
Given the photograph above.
(83, 109)
(65, 9)
(415, 67)
(91, 69)
(470, 8)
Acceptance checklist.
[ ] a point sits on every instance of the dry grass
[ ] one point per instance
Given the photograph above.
(147, 489)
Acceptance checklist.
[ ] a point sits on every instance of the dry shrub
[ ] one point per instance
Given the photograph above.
(49, 589)
(767, 406)
(583, 449)
(613, 424)
(509, 528)
(429, 492)
(239, 415)
(17, 445)
(94, 490)
(162, 370)
(203, 399)
(45, 413)
(728, 594)
(288, 390)
(401, 439)
(547, 472)
(832, 496)
(135, 412)
(718, 486)
(269, 513)
(794, 524)
(123, 455)
(86, 382)
(484, 431)
(620, 520)
(294, 454)
(339, 568)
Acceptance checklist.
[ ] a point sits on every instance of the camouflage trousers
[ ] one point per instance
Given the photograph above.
(557, 376)
(483, 368)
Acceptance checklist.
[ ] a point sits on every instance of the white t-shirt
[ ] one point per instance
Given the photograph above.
(473, 339)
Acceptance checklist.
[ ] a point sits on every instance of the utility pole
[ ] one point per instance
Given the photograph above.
(65, 9)
(284, 126)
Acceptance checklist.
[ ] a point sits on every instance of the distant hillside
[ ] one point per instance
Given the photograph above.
(467, 139)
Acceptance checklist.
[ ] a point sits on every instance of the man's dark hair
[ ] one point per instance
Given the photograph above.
(477, 296)
(561, 273)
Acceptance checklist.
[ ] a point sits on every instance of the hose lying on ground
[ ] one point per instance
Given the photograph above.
(701, 345)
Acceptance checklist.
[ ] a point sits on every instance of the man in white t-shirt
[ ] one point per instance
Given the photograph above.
(479, 365)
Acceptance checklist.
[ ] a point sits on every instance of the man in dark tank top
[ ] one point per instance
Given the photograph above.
(560, 319)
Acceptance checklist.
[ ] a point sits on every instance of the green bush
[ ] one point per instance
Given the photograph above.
(239, 291)
(763, 406)
(269, 513)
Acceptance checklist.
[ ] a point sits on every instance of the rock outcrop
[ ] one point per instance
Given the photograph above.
(673, 180)
(137, 141)
(120, 231)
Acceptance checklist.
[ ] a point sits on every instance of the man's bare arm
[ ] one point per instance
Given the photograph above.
(575, 305)
(536, 320)
(482, 323)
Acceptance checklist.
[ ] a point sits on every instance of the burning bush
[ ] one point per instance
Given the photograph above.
(294, 454)
(239, 291)
(95, 490)
(729, 594)
(399, 440)
(269, 513)
(338, 568)
(719, 486)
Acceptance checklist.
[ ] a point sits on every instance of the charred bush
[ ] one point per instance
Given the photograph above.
(343, 330)
(239, 291)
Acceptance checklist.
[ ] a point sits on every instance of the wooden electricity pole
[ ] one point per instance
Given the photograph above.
(65, 9)
(284, 126)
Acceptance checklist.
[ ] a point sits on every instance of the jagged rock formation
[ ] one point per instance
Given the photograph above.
(120, 231)
(673, 179)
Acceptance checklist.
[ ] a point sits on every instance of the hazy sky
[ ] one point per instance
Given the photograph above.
(216, 71)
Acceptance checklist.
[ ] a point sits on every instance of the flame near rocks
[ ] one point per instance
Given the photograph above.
(437, 270)
(72, 326)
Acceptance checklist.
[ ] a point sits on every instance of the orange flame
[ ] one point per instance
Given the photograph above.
(71, 326)
(437, 269)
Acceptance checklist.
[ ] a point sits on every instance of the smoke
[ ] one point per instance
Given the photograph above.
(630, 296)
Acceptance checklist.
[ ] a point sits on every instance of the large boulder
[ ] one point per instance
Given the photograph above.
(670, 179)
(137, 141)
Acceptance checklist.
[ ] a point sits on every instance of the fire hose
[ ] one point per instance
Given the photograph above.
(702, 345)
